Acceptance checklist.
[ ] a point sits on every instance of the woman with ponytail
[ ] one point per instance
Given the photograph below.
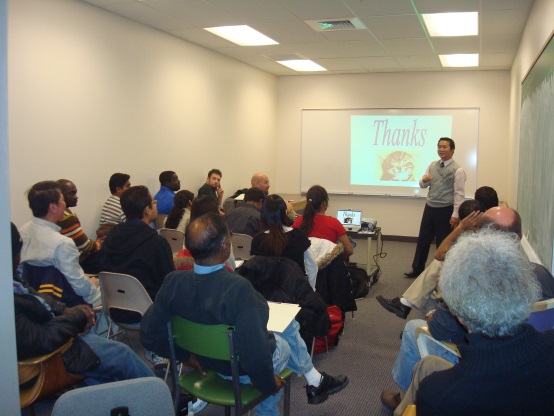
(180, 213)
(280, 240)
(315, 223)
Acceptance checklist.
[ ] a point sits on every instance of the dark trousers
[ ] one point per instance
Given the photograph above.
(435, 223)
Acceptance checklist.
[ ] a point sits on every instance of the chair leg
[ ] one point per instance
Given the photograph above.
(227, 411)
(313, 347)
(286, 404)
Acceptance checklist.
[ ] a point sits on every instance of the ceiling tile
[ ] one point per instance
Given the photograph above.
(395, 27)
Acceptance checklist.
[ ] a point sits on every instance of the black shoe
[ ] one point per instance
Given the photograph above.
(329, 385)
(390, 400)
(395, 306)
(412, 275)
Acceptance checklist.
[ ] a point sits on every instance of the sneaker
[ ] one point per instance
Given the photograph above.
(329, 385)
(155, 360)
(395, 306)
(197, 406)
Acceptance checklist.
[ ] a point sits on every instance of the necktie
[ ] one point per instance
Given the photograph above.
(442, 164)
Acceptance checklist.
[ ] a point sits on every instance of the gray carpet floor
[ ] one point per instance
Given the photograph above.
(366, 351)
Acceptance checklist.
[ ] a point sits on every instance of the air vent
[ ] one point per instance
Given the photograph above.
(331, 25)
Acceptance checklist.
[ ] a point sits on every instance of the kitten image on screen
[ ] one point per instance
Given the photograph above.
(398, 166)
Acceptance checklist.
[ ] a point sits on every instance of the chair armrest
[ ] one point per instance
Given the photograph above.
(410, 410)
(37, 360)
(423, 336)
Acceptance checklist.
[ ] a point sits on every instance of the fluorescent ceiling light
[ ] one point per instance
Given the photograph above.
(302, 65)
(452, 24)
(241, 35)
(460, 60)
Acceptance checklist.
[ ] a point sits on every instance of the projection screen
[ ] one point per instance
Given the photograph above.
(383, 151)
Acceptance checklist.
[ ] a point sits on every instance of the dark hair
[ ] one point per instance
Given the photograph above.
(216, 171)
(41, 195)
(449, 140)
(17, 243)
(206, 243)
(134, 201)
(315, 197)
(62, 184)
(254, 195)
(180, 202)
(118, 180)
(467, 207)
(487, 196)
(274, 216)
(166, 176)
(204, 205)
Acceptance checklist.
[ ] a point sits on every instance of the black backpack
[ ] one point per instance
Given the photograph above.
(359, 282)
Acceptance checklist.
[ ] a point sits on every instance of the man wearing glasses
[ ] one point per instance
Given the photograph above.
(133, 247)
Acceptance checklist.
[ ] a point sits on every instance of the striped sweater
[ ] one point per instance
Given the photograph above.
(71, 227)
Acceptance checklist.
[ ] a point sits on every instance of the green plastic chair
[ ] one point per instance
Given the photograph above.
(216, 342)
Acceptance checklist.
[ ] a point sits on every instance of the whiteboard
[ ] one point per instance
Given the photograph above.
(351, 151)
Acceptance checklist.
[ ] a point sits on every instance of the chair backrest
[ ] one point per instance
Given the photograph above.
(124, 299)
(211, 341)
(48, 279)
(175, 238)
(160, 221)
(142, 397)
(542, 316)
(241, 246)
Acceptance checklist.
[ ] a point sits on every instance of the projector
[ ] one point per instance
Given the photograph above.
(368, 224)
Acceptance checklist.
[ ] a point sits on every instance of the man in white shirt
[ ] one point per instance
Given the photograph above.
(446, 181)
(43, 245)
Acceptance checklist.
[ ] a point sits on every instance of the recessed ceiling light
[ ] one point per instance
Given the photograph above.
(302, 65)
(452, 24)
(460, 60)
(241, 35)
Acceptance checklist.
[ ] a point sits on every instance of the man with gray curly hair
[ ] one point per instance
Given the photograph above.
(507, 366)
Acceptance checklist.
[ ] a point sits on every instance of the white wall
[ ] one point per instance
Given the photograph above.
(91, 94)
(488, 91)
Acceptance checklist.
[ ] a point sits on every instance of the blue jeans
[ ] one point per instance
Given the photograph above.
(408, 356)
(290, 352)
(300, 361)
(117, 361)
(270, 406)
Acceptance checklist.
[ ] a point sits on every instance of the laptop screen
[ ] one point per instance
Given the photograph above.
(349, 218)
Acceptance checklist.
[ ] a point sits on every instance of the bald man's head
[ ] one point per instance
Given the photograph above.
(504, 219)
(260, 181)
(205, 237)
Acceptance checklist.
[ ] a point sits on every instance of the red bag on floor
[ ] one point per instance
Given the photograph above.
(337, 325)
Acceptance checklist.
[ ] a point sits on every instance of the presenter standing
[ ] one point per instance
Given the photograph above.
(446, 181)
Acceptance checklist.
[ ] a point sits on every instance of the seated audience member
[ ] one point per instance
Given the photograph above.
(203, 205)
(507, 367)
(280, 240)
(487, 196)
(246, 218)
(442, 324)
(111, 213)
(42, 325)
(261, 181)
(170, 184)
(71, 227)
(133, 247)
(315, 223)
(180, 212)
(44, 246)
(210, 294)
(419, 294)
(212, 187)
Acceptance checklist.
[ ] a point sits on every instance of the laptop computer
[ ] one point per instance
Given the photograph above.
(350, 219)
